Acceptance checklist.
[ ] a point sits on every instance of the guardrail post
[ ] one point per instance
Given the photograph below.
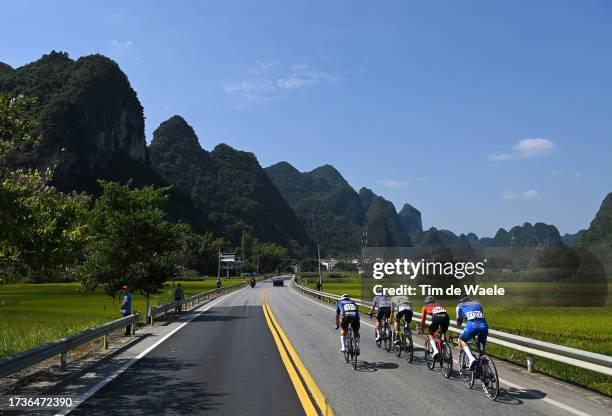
(105, 342)
(530, 363)
(63, 360)
(134, 322)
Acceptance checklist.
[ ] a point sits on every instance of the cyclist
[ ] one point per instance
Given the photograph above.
(383, 304)
(476, 325)
(403, 309)
(347, 314)
(439, 321)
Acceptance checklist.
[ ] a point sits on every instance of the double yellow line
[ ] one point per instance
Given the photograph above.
(298, 373)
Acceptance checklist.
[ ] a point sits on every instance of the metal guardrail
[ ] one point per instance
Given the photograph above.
(61, 347)
(532, 347)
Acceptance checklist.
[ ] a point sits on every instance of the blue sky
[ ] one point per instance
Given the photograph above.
(482, 114)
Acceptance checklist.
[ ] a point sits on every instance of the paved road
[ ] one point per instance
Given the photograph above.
(226, 362)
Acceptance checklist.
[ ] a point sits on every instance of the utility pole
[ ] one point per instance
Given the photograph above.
(219, 266)
(242, 243)
(320, 285)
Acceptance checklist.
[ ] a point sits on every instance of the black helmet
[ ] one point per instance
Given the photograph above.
(464, 298)
(429, 299)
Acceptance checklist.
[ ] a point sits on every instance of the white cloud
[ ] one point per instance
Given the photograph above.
(524, 149)
(391, 183)
(555, 172)
(528, 194)
(268, 80)
(121, 46)
(578, 175)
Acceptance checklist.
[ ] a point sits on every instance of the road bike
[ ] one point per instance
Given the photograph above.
(483, 369)
(404, 342)
(386, 335)
(445, 354)
(350, 348)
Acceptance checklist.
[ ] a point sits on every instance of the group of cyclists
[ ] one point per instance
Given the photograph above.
(468, 310)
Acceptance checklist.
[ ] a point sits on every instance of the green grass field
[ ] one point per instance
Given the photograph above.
(35, 314)
(586, 328)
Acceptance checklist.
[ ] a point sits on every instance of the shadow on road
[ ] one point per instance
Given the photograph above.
(152, 387)
(367, 366)
(517, 396)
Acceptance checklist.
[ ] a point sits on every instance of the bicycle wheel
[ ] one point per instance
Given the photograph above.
(467, 376)
(428, 354)
(353, 354)
(389, 338)
(398, 346)
(446, 360)
(488, 376)
(347, 351)
(408, 346)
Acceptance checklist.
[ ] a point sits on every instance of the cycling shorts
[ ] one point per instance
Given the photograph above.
(439, 321)
(383, 313)
(353, 321)
(406, 314)
(473, 328)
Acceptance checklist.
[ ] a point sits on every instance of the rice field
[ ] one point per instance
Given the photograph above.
(36, 314)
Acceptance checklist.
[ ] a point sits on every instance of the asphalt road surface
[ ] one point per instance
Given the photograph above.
(226, 361)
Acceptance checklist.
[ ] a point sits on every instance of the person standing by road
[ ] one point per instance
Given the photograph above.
(179, 296)
(218, 283)
(126, 308)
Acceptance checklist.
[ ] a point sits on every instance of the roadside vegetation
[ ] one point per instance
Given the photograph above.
(36, 314)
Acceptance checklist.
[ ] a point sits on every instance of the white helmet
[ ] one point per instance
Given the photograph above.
(345, 296)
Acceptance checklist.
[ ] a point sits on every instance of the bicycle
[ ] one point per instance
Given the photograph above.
(405, 342)
(484, 369)
(445, 355)
(350, 349)
(386, 335)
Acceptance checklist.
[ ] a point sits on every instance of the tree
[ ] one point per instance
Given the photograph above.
(41, 229)
(200, 252)
(130, 242)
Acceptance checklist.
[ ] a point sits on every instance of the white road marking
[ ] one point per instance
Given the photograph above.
(133, 361)
(548, 400)
(506, 382)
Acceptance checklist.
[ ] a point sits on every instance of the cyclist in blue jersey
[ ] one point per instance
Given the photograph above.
(347, 314)
(383, 304)
(476, 325)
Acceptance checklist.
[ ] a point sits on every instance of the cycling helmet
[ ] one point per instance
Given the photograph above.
(429, 299)
(464, 298)
(345, 296)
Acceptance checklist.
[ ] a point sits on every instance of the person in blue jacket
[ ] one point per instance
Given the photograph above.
(476, 325)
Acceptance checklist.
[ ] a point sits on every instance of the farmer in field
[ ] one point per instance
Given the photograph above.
(179, 296)
(126, 308)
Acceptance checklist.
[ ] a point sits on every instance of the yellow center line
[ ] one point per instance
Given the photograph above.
(295, 378)
(312, 386)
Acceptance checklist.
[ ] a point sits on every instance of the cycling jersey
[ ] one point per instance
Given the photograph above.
(382, 301)
(433, 309)
(476, 325)
(469, 311)
(403, 305)
(346, 308)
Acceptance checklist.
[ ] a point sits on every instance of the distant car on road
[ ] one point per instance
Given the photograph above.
(277, 281)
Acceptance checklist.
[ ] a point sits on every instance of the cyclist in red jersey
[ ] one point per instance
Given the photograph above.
(439, 321)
